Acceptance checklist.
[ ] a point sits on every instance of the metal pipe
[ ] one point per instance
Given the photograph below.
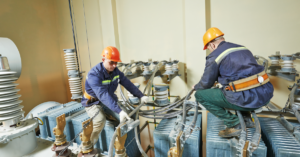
(242, 122)
(111, 146)
(296, 113)
(146, 113)
(167, 115)
(265, 62)
(291, 96)
(195, 116)
(75, 45)
(243, 135)
(137, 138)
(166, 107)
(184, 109)
(293, 106)
(257, 135)
(285, 123)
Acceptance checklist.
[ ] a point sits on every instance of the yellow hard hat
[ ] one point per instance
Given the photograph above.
(210, 35)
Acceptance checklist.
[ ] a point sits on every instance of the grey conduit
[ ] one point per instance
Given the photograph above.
(137, 138)
(111, 145)
(256, 136)
(184, 109)
(195, 116)
(168, 115)
(162, 111)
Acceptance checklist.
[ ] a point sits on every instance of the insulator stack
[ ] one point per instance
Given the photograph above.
(73, 73)
(10, 109)
(175, 65)
(146, 68)
(169, 68)
(161, 94)
(139, 66)
(287, 63)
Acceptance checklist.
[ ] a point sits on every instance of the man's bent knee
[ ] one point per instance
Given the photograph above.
(198, 95)
(98, 125)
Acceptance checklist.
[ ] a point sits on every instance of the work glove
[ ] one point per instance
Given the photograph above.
(123, 116)
(145, 99)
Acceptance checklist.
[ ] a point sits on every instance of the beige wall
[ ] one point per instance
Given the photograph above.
(31, 25)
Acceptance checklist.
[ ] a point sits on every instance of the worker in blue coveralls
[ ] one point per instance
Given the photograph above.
(101, 83)
(246, 86)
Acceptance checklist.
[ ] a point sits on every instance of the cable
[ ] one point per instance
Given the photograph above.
(73, 30)
(87, 38)
(137, 139)
(111, 145)
(167, 115)
(184, 113)
(38, 119)
(76, 37)
(286, 104)
(169, 107)
(157, 113)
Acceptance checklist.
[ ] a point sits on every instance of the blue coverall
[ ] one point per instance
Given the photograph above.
(101, 86)
(231, 62)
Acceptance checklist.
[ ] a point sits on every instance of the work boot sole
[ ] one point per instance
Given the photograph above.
(234, 134)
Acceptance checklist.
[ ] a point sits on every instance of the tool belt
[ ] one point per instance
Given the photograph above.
(248, 83)
(89, 97)
(93, 99)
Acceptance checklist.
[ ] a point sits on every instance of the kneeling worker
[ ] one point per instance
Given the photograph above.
(246, 86)
(101, 83)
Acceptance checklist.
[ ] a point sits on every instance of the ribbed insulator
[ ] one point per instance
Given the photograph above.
(161, 95)
(287, 64)
(146, 68)
(274, 62)
(71, 61)
(74, 77)
(168, 68)
(75, 85)
(10, 109)
(175, 66)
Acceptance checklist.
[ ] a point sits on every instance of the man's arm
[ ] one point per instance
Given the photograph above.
(124, 81)
(102, 94)
(209, 76)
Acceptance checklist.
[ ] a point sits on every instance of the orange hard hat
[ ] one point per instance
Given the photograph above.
(210, 35)
(111, 53)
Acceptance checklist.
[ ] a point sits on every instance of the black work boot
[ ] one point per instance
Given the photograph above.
(231, 132)
(248, 120)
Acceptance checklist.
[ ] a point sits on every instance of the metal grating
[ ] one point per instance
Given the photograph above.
(280, 142)
(192, 147)
(217, 146)
(45, 129)
(106, 136)
(68, 111)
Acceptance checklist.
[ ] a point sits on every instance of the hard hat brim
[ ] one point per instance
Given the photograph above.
(116, 60)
